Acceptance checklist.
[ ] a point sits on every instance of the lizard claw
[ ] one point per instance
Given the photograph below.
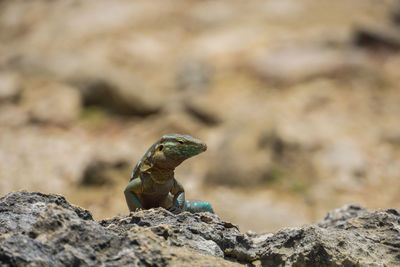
(174, 209)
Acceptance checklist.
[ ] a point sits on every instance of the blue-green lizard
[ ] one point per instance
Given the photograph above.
(152, 182)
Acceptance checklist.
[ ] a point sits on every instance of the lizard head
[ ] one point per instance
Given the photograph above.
(174, 148)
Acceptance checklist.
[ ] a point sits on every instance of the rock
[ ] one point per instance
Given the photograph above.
(202, 109)
(282, 9)
(392, 139)
(345, 162)
(103, 72)
(122, 96)
(12, 115)
(396, 14)
(38, 229)
(99, 172)
(49, 101)
(42, 229)
(194, 75)
(386, 38)
(125, 44)
(53, 159)
(210, 14)
(10, 87)
(193, 81)
(295, 64)
(274, 160)
(339, 217)
(230, 163)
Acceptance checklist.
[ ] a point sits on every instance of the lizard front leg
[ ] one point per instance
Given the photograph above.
(180, 204)
(132, 191)
(178, 201)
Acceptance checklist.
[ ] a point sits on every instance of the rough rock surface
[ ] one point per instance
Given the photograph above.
(45, 230)
(293, 112)
(40, 229)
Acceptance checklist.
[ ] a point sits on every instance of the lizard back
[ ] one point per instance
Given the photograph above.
(144, 159)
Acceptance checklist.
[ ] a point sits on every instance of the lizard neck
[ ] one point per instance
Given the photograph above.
(161, 175)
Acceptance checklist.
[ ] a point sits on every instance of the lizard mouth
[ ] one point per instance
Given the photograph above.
(203, 147)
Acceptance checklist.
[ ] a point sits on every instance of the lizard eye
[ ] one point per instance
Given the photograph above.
(160, 147)
(180, 142)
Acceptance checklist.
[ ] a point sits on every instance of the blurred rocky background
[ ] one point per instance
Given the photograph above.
(298, 101)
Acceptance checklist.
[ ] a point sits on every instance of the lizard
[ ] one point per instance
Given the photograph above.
(152, 183)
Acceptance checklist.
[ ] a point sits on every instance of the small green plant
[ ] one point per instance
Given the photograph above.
(94, 115)
(286, 179)
(275, 174)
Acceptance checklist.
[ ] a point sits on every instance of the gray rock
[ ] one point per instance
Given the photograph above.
(39, 229)
(45, 230)
(20, 210)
